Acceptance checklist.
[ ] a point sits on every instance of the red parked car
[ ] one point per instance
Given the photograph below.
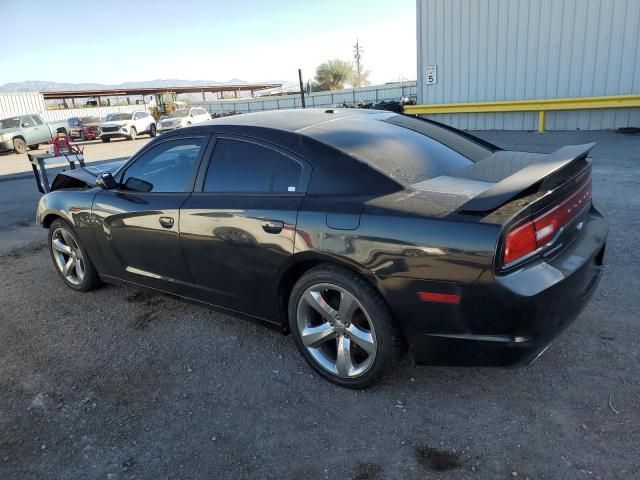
(84, 128)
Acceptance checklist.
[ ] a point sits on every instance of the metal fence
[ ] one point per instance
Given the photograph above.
(100, 112)
(377, 93)
(14, 104)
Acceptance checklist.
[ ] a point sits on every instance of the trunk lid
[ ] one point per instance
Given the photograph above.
(546, 196)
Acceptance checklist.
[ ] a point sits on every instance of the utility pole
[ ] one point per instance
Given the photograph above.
(357, 49)
(301, 87)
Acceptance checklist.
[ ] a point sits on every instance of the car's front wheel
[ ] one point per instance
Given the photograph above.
(343, 327)
(105, 139)
(133, 134)
(19, 146)
(70, 259)
(152, 130)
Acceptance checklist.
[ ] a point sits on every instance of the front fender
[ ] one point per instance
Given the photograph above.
(74, 206)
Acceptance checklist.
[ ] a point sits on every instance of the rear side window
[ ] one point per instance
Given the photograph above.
(36, 120)
(245, 167)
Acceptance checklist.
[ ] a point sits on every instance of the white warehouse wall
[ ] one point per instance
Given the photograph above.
(489, 50)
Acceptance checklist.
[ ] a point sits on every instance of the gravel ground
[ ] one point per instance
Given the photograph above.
(118, 384)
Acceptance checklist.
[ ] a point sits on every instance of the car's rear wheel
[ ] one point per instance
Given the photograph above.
(133, 134)
(343, 327)
(105, 139)
(19, 145)
(152, 130)
(70, 259)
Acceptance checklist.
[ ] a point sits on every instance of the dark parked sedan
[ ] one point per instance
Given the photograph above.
(362, 233)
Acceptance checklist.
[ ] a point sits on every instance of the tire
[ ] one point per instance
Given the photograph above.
(152, 130)
(133, 134)
(332, 349)
(65, 250)
(105, 139)
(34, 147)
(19, 146)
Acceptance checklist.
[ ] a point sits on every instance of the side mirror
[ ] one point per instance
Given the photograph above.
(26, 125)
(106, 181)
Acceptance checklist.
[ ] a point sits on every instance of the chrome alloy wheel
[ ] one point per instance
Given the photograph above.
(68, 256)
(336, 330)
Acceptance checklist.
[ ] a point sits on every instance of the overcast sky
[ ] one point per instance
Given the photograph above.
(117, 41)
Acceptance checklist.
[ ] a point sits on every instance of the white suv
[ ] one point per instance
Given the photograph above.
(183, 117)
(127, 125)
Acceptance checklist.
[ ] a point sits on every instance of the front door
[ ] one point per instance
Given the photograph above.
(137, 224)
(34, 131)
(238, 231)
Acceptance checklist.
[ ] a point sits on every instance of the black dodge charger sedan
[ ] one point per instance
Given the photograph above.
(363, 233)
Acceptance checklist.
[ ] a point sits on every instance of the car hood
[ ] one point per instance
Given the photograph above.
(4, 131)
(94, 124)
(168, 121)
(84, 177)
(117, 123)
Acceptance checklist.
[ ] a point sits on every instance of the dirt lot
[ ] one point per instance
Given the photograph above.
(117, 384)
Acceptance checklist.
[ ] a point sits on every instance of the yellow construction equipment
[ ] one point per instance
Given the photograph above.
(165, 103)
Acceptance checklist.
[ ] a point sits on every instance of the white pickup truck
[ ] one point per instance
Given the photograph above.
(27, 131)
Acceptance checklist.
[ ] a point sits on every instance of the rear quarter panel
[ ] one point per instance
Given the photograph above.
(391, 242)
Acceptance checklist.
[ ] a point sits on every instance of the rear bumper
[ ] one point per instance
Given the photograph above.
(506, 320)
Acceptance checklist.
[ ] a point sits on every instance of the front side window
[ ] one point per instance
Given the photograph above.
(245, 167)
(168, 167)
(27, 121)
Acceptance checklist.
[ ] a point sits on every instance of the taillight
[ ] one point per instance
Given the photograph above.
(535, 234)
(520, 242)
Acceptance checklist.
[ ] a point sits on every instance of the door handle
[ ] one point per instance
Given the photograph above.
(166, 222)
(272, 226)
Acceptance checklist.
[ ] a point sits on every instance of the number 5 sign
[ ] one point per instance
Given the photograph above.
(431, 75)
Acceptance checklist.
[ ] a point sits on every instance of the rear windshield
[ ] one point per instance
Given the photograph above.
(396, 147)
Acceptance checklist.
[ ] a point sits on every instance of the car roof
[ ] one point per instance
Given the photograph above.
(300, 120)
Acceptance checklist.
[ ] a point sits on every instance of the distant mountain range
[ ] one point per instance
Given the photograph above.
(42, 86)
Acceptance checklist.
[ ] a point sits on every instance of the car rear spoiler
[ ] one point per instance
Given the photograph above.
(540, 167)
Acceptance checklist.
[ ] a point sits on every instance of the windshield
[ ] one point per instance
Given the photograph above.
(12, 122)
(179, 113)
(89, 120)
(118, 116)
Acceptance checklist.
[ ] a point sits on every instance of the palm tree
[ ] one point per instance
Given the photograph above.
(333, 75)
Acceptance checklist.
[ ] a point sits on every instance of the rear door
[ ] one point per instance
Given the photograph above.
(238, 228)
(136, 224)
